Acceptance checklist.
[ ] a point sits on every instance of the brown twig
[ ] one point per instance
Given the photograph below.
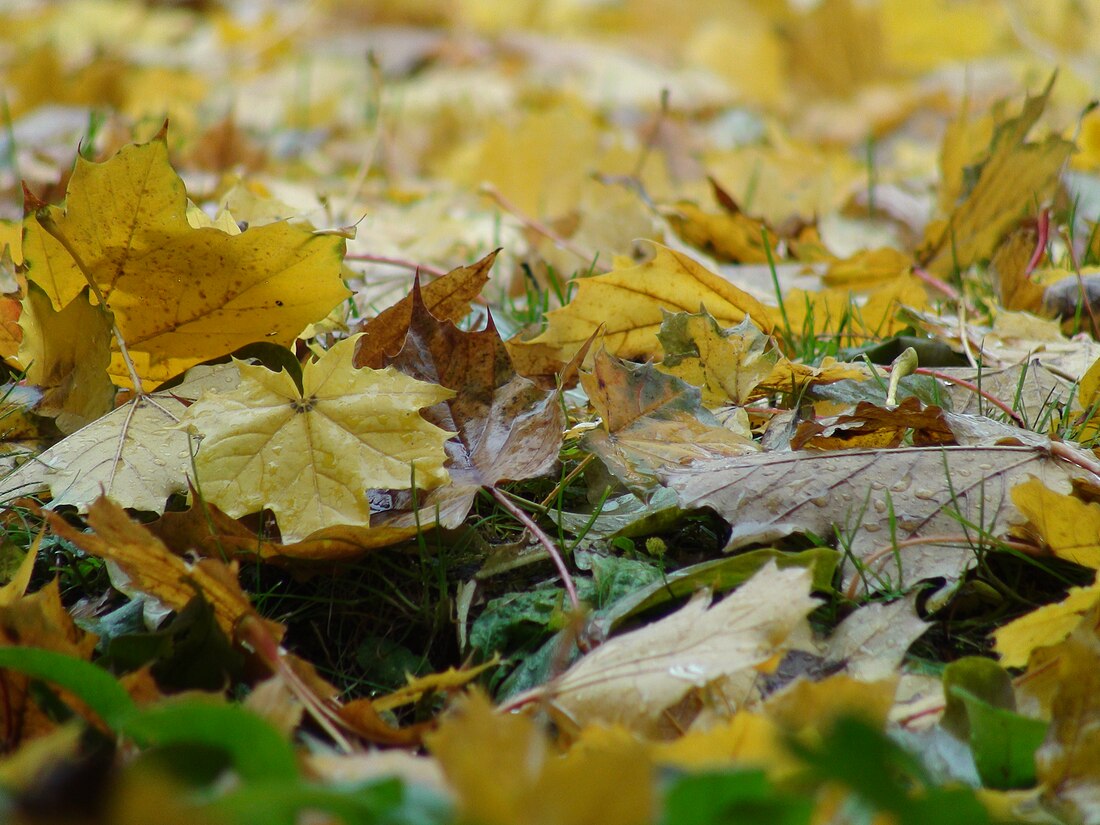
(542, 539)
(537, 226)
(399, 262)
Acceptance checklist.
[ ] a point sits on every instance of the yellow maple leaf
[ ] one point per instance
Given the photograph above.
(1016, 175)
(504, 772)
(179, 295)
(310, 455)
(725, 364)
(1044, 626)
(630, 302)
(1067, 525)
(67, 354)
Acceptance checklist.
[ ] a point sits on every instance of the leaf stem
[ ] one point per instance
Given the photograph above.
(544, 540)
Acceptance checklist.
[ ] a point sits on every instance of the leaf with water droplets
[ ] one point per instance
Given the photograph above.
(906, 515)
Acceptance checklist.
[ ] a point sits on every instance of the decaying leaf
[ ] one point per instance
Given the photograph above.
(634, 678)
(506, 427)
(447, 298)
(311, 455)
(873, 500)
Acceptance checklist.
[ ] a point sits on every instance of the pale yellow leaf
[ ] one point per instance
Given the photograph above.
(310, 456)
(136, 455)
(632, 679)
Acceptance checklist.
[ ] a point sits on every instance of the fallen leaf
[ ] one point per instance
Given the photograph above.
(417, 687)
(1012, 280)
(136, 455)
(868, 268)
(651, 421)
(630, 301)
(310, 455)
(67, 354)
(153, 569)
(854, 318)
(504, 772)
(634, 678)
(874, 427)
(447, 298)
(179, 295)
(726, 365)
(506, 428)
(873, 500)
(37, 620)
(730, 236)
(873, 640)
(1068, 526)
(1015, 176)
(1047, 625)
(1068, 761)
(205, 528)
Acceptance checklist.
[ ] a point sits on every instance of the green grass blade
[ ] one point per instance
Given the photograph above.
(99, 690)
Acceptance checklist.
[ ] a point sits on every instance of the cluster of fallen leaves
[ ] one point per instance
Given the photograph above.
(825, 305)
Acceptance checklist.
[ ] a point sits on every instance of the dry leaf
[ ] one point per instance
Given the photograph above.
(651, 421)
(506, 428)
(154, 570)
(447, 298)
(874, 498)
(634, 678)
(136, 455)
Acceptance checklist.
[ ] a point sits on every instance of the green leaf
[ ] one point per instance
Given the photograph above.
(887, 776)
(381, 803)
(746, 798)
(1003, 742)
(982, 678)
(257, 749)
(99, 690)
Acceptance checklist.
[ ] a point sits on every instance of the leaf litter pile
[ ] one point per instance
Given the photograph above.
(552, 412)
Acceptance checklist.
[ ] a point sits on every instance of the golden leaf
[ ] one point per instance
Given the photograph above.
(629, 302)
(179, 295)
(1015, 177)
(153, 569)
